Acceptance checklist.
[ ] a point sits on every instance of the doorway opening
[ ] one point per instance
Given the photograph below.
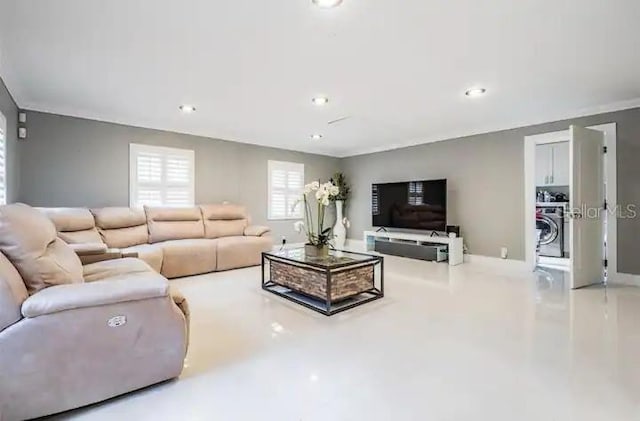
(550, 185)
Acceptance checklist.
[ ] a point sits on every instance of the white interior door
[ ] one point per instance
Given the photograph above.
(586, 200)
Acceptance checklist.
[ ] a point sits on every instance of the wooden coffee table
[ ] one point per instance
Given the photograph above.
(328, 285)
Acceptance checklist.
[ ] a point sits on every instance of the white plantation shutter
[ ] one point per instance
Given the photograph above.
(416, 193)
(286, 181)
(179, 179)
(375, 200)
(161, 176)
(3, 160)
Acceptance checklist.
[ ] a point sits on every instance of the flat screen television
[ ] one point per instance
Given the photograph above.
(420, 205)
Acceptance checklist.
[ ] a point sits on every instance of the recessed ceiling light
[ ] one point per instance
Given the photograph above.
(475, 92)
(185, 108)
(316, 136)
(320, 100)
(327, 4)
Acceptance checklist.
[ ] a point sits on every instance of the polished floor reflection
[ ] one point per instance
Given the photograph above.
(446, 343)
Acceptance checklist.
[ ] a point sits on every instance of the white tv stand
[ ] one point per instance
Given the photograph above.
(456, 249)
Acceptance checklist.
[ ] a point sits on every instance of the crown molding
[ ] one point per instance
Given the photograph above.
(71, 112)
(585, 112)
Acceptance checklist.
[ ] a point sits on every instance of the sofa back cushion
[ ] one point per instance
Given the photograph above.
(30, 241)
(121, 227)
(224, 220)
(174, 223)
(12, 293)
(74, 225)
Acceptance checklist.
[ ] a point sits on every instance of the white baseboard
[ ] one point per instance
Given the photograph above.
(493, 262)
(507, 264)
(496, 262)
(624, 279)
(489, 262)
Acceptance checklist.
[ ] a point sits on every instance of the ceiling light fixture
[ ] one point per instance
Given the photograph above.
(185, 108)
(320, 100)
(475, 92)
(316, 136)
(327, 4)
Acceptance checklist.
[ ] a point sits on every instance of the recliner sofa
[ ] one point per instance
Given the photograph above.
(72, 335)
(175, 242)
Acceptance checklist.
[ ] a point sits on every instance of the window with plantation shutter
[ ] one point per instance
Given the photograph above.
(416, 193)
(161, 176)
(375, 200)
(286, 181)
(3, 160)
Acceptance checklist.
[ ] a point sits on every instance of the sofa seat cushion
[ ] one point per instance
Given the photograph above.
(151, 254)
(238, 252)
(121, 227)
(111, 269)
(29, 240)
(224, 220)
(174, 223)
(188, 257)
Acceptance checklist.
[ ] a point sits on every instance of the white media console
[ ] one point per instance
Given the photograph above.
(455, 245)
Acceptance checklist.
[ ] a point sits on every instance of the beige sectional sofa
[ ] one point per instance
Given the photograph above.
(175, 242)
(73, 334)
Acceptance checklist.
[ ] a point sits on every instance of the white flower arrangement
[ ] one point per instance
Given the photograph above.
(322, 193)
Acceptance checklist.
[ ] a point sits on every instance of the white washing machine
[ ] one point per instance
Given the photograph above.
(550, 222)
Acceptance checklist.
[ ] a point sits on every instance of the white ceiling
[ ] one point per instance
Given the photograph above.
(398, 68)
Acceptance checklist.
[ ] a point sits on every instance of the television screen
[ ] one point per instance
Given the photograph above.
(418, 205)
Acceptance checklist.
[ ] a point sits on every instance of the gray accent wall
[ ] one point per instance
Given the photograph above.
(9, 108)
(485, 176)
(68, 161)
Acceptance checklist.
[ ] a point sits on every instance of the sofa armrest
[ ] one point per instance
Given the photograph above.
(72, 296)
(256, 230)
(108, 254)
(98, 252)
(88, 249)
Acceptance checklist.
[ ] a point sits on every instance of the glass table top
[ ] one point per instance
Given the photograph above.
(336, 258)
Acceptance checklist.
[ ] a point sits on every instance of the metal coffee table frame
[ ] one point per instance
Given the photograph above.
(326, 307)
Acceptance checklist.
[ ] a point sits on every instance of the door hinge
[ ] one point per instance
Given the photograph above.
(605, 205)
(604, 149)
(606, 262)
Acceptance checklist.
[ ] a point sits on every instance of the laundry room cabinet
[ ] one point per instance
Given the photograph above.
(552, 164)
